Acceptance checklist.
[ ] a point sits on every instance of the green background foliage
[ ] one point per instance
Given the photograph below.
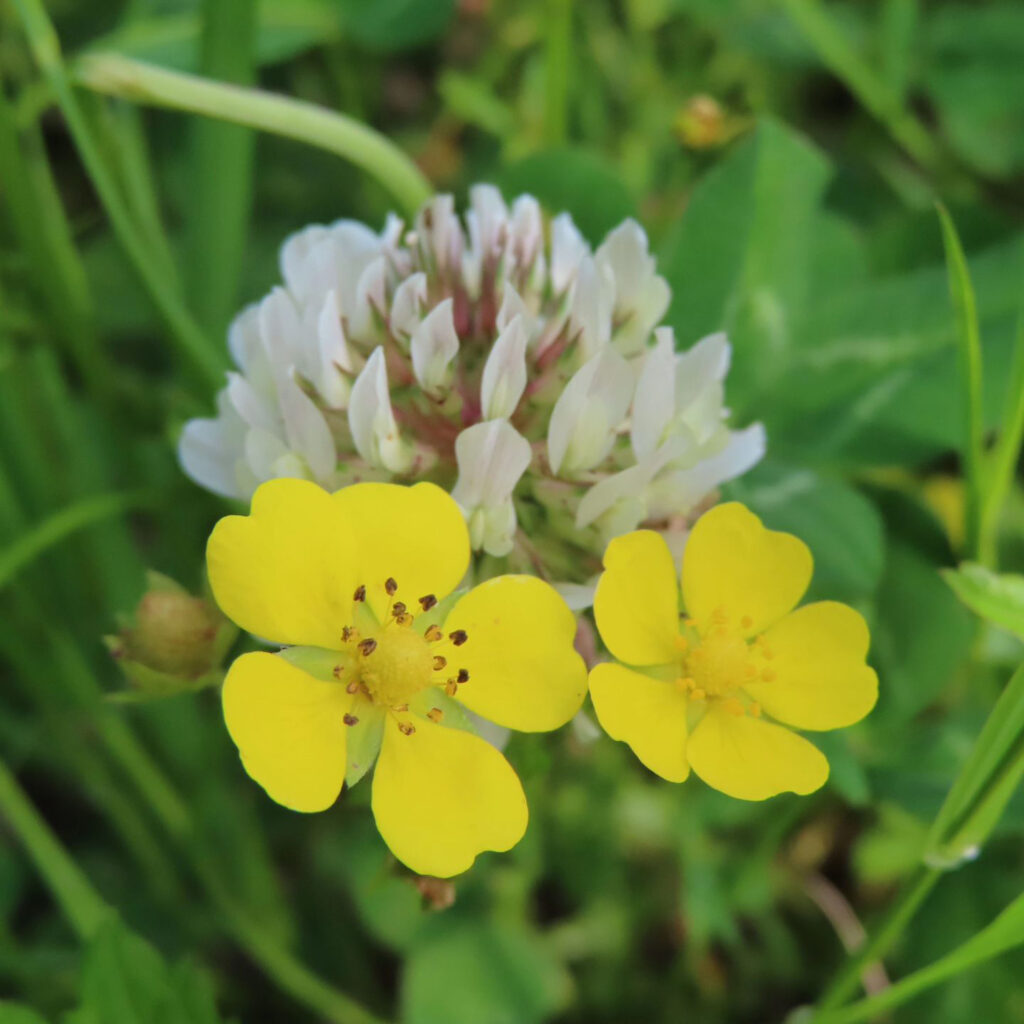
(805, 225)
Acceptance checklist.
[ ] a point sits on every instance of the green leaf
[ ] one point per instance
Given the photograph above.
(573, 179)
(740, 257)
(479, 972)
(997, 598)
(124, 979)
(987, 781)
(13, 1013)
(841, 526)
(388, 26)
(1006, 932)
(965, 308)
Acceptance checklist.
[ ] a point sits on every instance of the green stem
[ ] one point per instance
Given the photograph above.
(222, 161)
(62, 524)
(83, 906)
(899, 915)
(557, 50)
(199, 356)
(280, 115)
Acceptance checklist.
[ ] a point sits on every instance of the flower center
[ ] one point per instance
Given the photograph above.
(716, 661)
(398, 666)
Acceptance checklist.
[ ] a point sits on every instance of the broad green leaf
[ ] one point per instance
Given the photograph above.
(473, 971)
(997, 598)
(921, 635)
(841, 526)
(739, 259)
(573, 179)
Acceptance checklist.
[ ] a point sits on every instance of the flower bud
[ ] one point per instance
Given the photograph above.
(172, 643)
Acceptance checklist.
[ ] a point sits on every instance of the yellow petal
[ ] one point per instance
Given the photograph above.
(819, 679)
(637, 600)
(441, 796)
(286, 571)
(524, 672)
(413, 535)
(751, 759)
(649, 714)
(289, 729)
(731, 562)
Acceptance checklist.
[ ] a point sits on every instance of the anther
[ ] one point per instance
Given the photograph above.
(427, 602)
(337, 670)
(350, 719)
(433, 634)
(398, 609)
(400, 707)
(390, 586)
(439, 662)
(349, 633)
(463, 676)
(352, 687)
(406, 728)
(458, 638)
(360, 594)
(435, 715)
(367, 646)
(405, 619)
(451, 687)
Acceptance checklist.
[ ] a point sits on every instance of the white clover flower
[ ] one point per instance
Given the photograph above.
(503, 359)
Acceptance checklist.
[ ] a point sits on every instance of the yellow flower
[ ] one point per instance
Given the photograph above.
(701, 688)
(380, 665)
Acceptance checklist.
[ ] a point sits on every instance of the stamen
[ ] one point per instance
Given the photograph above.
(767, 652)
(427, 602)
(349, 633)
(433, 634)
(337, 671)
(400, 707)
(405, 619)
(367, 646)
(390, 586)
(360, 594)
(398, 609)
(350, 720)
(459, 637)
(435, 715)
(750, 671)
(439, 662)
(352, 687)
(451, 687)
(463, 676)
(406, 728)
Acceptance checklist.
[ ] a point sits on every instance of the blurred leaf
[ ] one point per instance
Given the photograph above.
(841, 526)
(12, 1013)
(388, 26)
(286, 28)
(997, 598)
(476, 972)
(921, 637)
(739, 259)
(124, 979)
(576, 180)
